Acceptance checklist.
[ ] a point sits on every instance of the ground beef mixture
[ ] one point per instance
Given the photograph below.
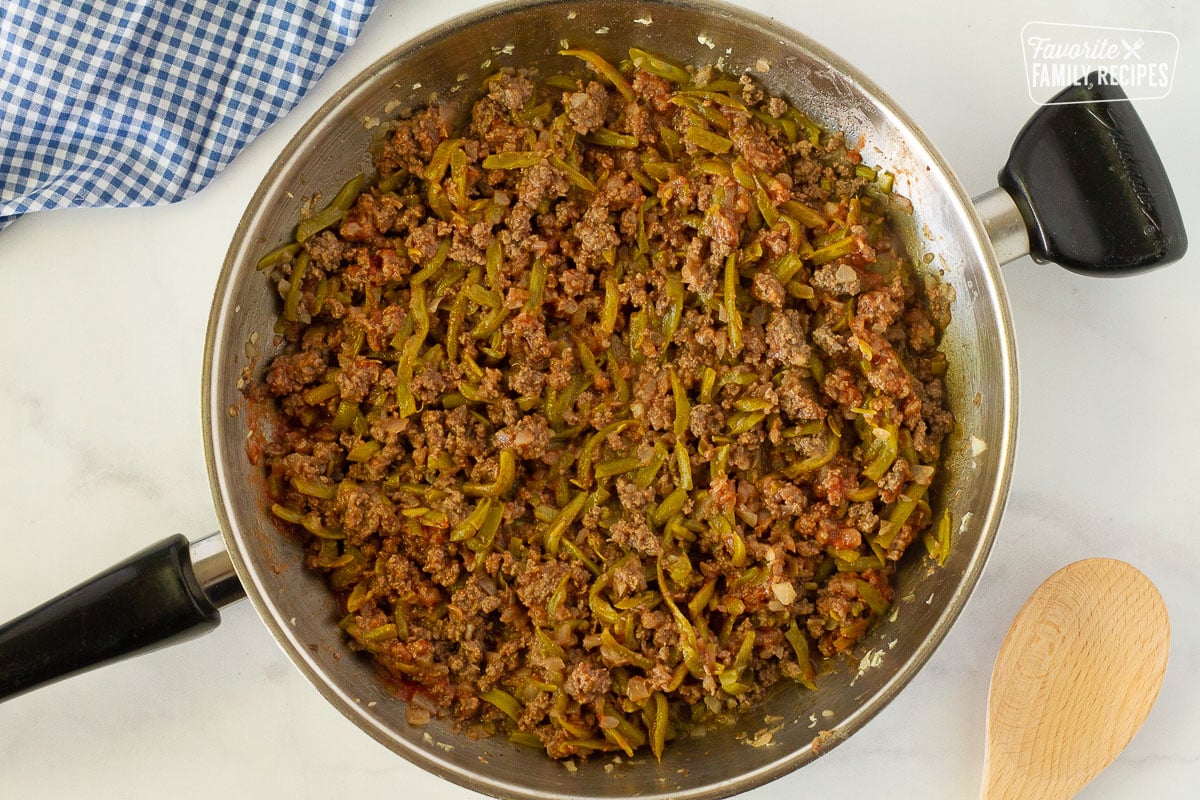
(608, 410)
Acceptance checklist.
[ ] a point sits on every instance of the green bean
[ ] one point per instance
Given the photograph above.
(482, 541)
(538, 276)
(938, 544)
(830, 252)
(683, 463)
(618, 653)
(575, 552)
(504, 701)
(471, 369)
(344, 416)
(743, 421)
(363, 451)
(871, 596)
(567, 83)
(799, 643)
(315, 488)
(286, 514)
(671, 141)
(458, 178)
(863, 493)
(334, 212)
(586, 358)
(616, 466)
(572, 174)
(601, 608)
(587, 453)
(405, 402)
(732, 315)
(512, 160)
(659, 722)
(689, 644)
(646, 474)
(661, 170)
(683, 408)
(707, 381)
(639, 323)
(382, 633)
(440, 161)
(483, 297)
(556, 529)
(278, 255)
(731, 677)
(671, 505)
(603, 68)
(707, 140)
(712, 166)
(643, 241)
(493, 258)
(882, 452)
(702, 598)
(659, 66)
(611, 307)
(433, 267)
(788, 267)
(471, 524)
(720, 98)
(619, 738)
(506, 475)
(490, 322)
(811, 130)
(451, 275)
(319, 394)
(604, 137)
(752, 404)
(900, 513)
(765, 207)
(675, 294)
(743, 174)
(812, 463)
(291, 303)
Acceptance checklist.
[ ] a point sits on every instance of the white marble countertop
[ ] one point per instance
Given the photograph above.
(104, 314)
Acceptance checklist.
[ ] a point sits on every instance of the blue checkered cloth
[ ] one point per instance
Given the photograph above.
(141, 102)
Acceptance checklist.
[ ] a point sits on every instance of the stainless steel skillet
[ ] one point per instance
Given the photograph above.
(1083, 187)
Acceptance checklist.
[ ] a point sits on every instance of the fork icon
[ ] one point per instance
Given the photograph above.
(1132, 49)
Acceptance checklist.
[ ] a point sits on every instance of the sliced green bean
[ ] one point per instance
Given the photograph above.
(506, 475)
(659, 66)
(556, 529)
(732, 315)
(278, 255)
(334, 212)
(512, 160)
(707, 140)
(603, 68)
(605, 137)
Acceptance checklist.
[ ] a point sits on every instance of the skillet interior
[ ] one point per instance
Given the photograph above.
(450, 61)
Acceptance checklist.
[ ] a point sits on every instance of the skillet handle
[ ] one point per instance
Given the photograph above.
(168, 592)
(1089, 186)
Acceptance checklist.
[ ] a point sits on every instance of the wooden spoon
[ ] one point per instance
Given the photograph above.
(1076, 676)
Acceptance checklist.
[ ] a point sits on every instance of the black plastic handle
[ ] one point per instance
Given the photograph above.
(1090, 185)
(149, 600)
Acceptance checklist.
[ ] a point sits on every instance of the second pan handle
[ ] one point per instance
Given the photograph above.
(169, 592)
(1084, 187)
